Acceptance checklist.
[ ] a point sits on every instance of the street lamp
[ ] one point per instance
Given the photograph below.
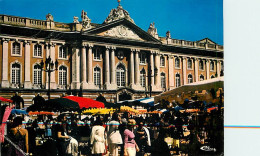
(150, 78)
(49, 68)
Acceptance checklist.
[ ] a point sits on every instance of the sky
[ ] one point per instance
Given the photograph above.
(186, 19)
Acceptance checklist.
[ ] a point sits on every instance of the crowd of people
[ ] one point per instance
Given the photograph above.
(123, 134)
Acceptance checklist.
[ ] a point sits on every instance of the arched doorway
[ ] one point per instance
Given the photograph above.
(124, 96)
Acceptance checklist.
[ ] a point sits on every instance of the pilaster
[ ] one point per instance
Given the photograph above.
(75, 84)
(107, 68)
(113, 69)
(83, 67)
(196, 70)
(52, 54)
(171, 73)
(218, 68)
(27, 70)
(207, 66)
(131, 65)
(5, 83)
(90, 84)
(184, 60)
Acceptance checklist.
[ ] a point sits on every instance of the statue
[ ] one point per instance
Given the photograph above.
(152, 30)
(85, 20)
(168, 35)
(49, 17)
(75, 19)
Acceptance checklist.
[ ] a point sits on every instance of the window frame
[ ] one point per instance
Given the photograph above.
(37, 50)
(141, 57)
(120, 71)
(19, 74)
(163, 77)
(13, 48)
(143, 78)
(203, 66)
(179, 79)
(210, 63)
(190, 64)
(203, 77)
(95, 74)
(66, 75)
(190, 79)
(41, 75)
(177, 67)
(96, 51)
(64, 52)
(162, 61)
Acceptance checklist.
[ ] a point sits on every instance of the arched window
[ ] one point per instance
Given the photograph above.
(189, 62)
(201, 65)
(162, 61)
(16, 48)
(142, 77)
(120, 75)
(201, 77)
(62, 52)
(211, 65)
(97, 54)
(177, 80)
(177, 62)
(190, 79)
(97, 76)
(62, 75)
(16, 73)
(37, 74)
(163, 80)
(37, 50)
(212, 77)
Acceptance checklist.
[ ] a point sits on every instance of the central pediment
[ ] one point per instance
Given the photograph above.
(121, 29)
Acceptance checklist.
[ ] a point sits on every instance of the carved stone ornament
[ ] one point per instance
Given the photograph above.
(118, 13)
(120, 55)
(75, 19)
(85, 20)
(49, 17)
(122, 31)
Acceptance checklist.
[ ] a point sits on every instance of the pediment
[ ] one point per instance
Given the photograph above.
(121, 29)
(206, 40)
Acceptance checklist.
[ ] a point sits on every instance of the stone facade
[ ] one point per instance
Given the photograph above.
(112, 59)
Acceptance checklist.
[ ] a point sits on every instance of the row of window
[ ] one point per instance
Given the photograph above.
(38, 52)
(120, 76)
(37, 74)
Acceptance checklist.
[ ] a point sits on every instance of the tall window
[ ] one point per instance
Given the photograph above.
(37, 74)
(142, 58)
(62, 52)
(62, 75)
(211, 65)
(16, 48)
(16, 73)
(177, 80)
(177, 62)
(142, 78)
(201, 65)
(162, 61)
(97, 54)
(190, 79)
(120, 75)
(97, 76)
(201, 77)
(163, 81)
(189, 62)
(37, 50)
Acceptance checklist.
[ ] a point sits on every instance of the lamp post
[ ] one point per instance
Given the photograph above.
(49, 68)
(150, 78)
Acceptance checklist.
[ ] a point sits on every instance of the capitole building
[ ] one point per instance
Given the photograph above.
(116, 59)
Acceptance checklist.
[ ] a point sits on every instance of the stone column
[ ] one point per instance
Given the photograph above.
(207, 66)
(171, 73)
(52, 54)
(90, 69)
(75, 84)
(157, 65)
(107, 68)
(27, 67)
(5, 65)
(83, 67)
(113, 68)
(152, 67)
(218, 68)
(196, 70)
(184, 62)
(132, 68)
(46, 74)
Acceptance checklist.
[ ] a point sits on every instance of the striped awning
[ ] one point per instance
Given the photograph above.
(149, 101)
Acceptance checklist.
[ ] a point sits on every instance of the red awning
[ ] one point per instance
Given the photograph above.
(86, 102)
(5, 100)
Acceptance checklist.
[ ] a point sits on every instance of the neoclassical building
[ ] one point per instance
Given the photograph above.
(116, 58)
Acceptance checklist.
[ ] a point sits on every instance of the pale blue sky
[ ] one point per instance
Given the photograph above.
(186, 19)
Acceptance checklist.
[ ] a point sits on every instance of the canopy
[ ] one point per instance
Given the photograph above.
(5, 100)
(85, 102)
(148, 101)
(41, 113)
(18, 111)
(61, 104)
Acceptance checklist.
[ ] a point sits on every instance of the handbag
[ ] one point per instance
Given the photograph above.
(115, 138)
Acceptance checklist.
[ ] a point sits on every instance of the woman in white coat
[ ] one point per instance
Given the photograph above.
(97, 138)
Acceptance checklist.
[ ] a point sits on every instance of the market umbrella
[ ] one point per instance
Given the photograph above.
(85, 102)
(61, 104)
(5, 100)
(18, 111)
(40, 113)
